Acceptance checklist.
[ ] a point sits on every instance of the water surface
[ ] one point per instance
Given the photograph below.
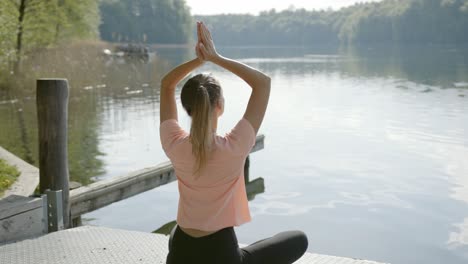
(365, 150)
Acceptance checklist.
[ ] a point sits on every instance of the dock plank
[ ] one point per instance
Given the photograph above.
(92, 244)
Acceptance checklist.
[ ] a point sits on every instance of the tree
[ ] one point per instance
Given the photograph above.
(77, 19)
(8, 27)
(30, 24)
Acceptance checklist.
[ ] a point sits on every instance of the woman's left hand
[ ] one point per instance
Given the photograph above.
(205, 46)
(198, 44)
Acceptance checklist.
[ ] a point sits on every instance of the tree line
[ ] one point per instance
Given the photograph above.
(28, 25)
(146, 21)
(388, 21)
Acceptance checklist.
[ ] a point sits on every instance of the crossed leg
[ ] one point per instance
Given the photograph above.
(282, 248)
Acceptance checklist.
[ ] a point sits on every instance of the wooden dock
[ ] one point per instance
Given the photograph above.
(22, 217)
(92, 244)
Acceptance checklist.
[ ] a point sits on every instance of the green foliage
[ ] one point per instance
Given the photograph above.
(146, 21)
(8, 27)
(8, 175)
(388, 21)
(27, 25)
(413, 21)
(40, 19)
(79, 19)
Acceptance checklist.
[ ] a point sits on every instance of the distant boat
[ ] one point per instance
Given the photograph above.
(129, 51)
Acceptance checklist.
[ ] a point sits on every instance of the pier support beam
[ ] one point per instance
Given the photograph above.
(52, 113)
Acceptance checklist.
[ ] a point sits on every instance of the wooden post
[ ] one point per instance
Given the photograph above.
(246, 169)
(52, 113)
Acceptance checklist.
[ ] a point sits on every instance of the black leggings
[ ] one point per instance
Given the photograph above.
(221, 247)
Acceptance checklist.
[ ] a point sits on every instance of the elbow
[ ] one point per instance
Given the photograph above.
(165, 83)
(262, 81)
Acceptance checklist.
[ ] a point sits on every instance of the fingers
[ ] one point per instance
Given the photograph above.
(207, 41)
(205, 32)
(203, 49)
(208, 33)
(199, 31)
(198, 53)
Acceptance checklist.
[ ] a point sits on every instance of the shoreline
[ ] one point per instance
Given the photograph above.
(28, 179)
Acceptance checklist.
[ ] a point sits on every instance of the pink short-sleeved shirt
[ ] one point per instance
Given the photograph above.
(217, 198)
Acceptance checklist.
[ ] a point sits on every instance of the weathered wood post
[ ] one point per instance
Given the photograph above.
(52, 113)
(246, 169)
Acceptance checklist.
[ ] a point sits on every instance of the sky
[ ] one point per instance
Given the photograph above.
(210, 7)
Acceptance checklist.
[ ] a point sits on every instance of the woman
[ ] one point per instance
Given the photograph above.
(209, 168)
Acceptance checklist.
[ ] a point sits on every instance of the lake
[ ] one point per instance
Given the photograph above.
(366, 150)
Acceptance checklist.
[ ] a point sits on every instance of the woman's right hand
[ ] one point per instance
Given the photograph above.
(205, 48)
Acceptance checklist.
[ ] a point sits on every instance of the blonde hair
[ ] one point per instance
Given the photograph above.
(199, 96)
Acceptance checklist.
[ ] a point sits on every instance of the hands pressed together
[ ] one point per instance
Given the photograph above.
(205, 48)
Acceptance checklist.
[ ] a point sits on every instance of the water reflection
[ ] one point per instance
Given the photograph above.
(368, 143)
(96, 83)
(278, 204)
(459, 238)
(379, 130)
(432, 65)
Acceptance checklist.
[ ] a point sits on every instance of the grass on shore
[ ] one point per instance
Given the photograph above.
(8, 175)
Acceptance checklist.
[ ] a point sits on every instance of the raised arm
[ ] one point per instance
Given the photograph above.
(167, 102)
(258, 81)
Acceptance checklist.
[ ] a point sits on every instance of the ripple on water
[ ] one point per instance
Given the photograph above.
(278, 204)
(461, 84)
(309, 58)
(459, 238)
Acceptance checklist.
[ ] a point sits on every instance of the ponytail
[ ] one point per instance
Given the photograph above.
(201, 128)
(199, 97)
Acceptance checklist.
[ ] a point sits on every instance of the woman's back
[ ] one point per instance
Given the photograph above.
(216, 198)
